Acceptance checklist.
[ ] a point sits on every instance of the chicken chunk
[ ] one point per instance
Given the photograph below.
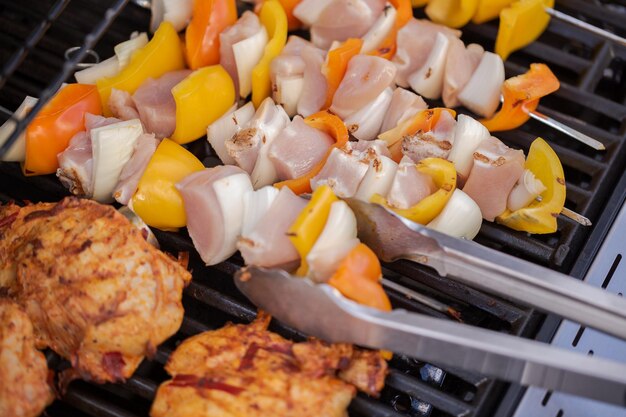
(96, 292)
(246, 370)
(24, 391)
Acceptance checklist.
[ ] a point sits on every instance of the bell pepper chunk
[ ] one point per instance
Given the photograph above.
(202, 37)
(274, 19)
(194, 113)
(419, 3)
(443, 174)
(521, 96)
(358, 278)
(157, 201)
(51, 130)
(423, 121)
(489, 9)
(540, 216)
(161, 55)
(336, 129)
(307, 228)
(387, 49)
(521, 24)
(336, 64)
(451, 13)
(293, 23)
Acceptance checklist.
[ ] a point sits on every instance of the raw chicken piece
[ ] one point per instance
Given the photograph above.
(314, 85)
(379, 147)
(268, 244)
(133, 170)
(245, 370)
(297, 149)
(24, 391)
(461, 63)
(434, 144)
(76, 162)
(96, 292)
(404, 104)
(409, 186)
(415, 42)
(225, 127)
(344, 19)
(365, 123)
(247, 25)
(244, 147)
(214, 208)
(365, 79)
(153, 103)
(343, 172)
(495, 171)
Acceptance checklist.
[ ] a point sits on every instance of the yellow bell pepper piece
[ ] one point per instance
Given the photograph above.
(193, 111)
(307, 228)
(274, 19)
(452, 13)
(521, 24)
(156, 200)
(443, 174)
(164, 53)
(540, 216)
(489, 9)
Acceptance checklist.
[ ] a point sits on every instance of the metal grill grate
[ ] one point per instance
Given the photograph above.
(592, 99)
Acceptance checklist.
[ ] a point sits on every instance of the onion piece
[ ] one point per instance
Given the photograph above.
(225, 127)
(17, 151)
(255, 205)
(248, 53)
(177, 12)
(309, 11)
(482, 92)
(380, 29)
(288, 92)
(107, 68)
(428, 80)
(112, 145)
(527, 189)
(378, 179)
(125, 50)
(337, 239)
(461, 217)
(467, 136)
(271, 125)
(365, 123)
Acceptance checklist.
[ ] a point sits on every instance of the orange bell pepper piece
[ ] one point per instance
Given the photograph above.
(202, 38)
(423, 121)
(336, 64)
(51, 130)
(404, 13)
(336, 129)
(521, 96)
(358, 278)
(292, 22)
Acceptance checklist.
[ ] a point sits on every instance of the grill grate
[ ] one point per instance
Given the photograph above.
(592, 99)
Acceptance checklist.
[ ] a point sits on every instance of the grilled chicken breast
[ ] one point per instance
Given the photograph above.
(24, 391)
(96, 292)
(244, 370)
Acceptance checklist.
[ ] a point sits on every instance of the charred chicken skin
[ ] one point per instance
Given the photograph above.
(245, 370)
(96, 292)
(24, 391)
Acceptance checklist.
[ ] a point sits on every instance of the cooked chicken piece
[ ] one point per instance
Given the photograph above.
(96, 292)
(24, 391)
(244, 370)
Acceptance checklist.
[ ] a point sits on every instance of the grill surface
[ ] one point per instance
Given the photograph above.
(592, 99)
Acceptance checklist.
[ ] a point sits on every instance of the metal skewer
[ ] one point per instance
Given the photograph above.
(586, 26)
(422, 299)
(571, 214)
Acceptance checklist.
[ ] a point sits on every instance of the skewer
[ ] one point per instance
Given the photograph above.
(570, 214)
(586, 26)
(422, 299)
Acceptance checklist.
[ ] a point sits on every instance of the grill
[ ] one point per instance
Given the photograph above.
(592, 99)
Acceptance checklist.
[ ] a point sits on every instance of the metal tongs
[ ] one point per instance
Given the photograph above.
(321, 311)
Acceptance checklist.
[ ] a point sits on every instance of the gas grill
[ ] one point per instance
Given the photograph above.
(34, 36)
